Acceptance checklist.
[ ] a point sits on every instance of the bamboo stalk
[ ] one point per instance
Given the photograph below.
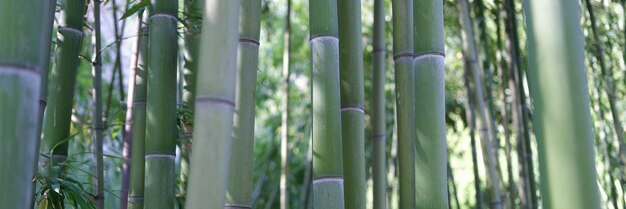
(379, 126)
(215, 104)
(471, 122)
(352, 102)
(97, 116)
(48, 25)
(193, 8)
(62, 83)
(431, 147)
(328, 173)
(561, 105)
(284, 135)
(471, 62)
(139, 67)
(21, 65)
(161, 130)
(240, 186)
(405, 99)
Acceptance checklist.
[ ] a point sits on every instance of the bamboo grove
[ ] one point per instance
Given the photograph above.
(319, 104)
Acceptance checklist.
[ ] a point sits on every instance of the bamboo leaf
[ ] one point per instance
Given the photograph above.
(139, 7)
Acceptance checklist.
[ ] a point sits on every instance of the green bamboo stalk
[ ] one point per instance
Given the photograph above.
(139, 66)
(405, 99)
(352, 102)
(215, 105)
(327, 144)
(379, 126)
(161, 130)
(431, 164)
(97, 116)
(193, 9)
(284, 130)
(21, 65)
(561, 105)
(48, 24)
(471, 61)
(240, 185)
(62, 83)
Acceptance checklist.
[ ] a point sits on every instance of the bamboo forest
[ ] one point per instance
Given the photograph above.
(312, 104)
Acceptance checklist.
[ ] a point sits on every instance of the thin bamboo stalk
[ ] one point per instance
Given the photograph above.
(21, 65)
(561, 105)
(471, 62)
(405, 99)
(471, 122)
(431, 147)
(240, 186)
(97, 116)
(352, 102)
(193, 9)
(379, 126)
(284, 134)
(161, 130)
(215, 105)
(139, 67)
(328, 173)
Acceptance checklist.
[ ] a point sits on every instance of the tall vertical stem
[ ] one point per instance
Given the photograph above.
(139, 72)
(562, 118)
(97, 115)
(240, 185)
(215, 105)
(21, 65)
(327, 135)
(352, 102)
(431, 147)
(379, 125)
(161, 130)
(405, 99)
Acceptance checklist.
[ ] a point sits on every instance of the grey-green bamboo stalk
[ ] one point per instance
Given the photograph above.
(98, 127)
(471, 61)
(62, 83)
(215, 105)
(137, 171)
(193, 9)
(352, 102)
(327, 144)
(379, 126)
(405, 99)
(240, 185)
(161, 133)
(561, 105)
(431, 147)
(21, 64)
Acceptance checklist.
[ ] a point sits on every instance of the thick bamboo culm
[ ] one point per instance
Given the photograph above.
(56, 131)
(562, 119)
(240, 185)
(431, 148)
(20, 76)
(352, 102)
(161, 132)
(379, 126)
(215, 105)
(327, 143)
(405, 99)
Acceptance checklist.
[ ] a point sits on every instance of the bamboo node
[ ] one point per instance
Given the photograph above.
(212, 99)
(353, 109)
(249, 41)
